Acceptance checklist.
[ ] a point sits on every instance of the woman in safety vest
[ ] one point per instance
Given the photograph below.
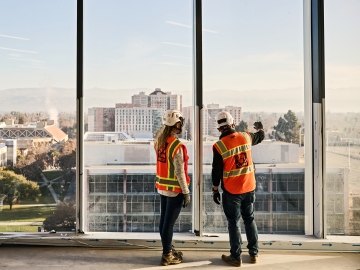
(172, 181)
(234, 168)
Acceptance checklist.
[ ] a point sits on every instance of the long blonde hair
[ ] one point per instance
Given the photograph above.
(161, 136)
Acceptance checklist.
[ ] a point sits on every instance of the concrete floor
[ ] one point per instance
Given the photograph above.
(81, 258)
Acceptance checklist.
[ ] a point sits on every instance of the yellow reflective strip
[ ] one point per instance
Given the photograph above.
(238, 172)
(236, 150)
(248, 138)
(171, 149)
(168, 182)
(165, 178)
(222, 147)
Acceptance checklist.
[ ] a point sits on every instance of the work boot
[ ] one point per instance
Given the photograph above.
(253, 258)
(231, 260)
(177, 253)
(170, 258)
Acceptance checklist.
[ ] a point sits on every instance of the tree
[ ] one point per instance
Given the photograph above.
(287, 129)
(15, 186)
(242, 126)
(63, 219)
(67, 161)
(53, 157)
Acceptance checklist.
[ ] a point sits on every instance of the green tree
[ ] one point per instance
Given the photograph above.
(67, 161)
(287, 129)
(242, 126)
(63, 219)
(15, 186)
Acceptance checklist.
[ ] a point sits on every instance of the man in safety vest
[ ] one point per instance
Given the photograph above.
(172, 181)
(233, 167)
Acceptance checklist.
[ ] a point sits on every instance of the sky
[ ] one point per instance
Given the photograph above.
(252, 49)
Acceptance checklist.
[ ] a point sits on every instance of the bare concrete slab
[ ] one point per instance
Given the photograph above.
(80, 258)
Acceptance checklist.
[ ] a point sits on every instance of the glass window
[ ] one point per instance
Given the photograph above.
(137, 64)
(37, 115)
(342, 75)
(253, 68)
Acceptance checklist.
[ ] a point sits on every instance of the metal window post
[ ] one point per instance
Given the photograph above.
(314, 113)
(197, 131)
(80, 207)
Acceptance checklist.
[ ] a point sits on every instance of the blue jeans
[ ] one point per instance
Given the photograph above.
(169, 212)
(236, 205)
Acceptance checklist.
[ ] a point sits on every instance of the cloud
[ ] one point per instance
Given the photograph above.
(26, 60)
(13, 37)
(190, 27)
(174, 64)
(17, 50)
(270, 57)
(178, 24)
(175, 44)
(177, 56)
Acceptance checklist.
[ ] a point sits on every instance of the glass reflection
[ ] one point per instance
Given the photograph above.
(253, 68)
(342, 117)
(37, 116)
(137, 65)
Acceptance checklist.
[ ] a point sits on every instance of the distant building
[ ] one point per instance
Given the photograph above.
(235, 112)
(140, 100)
(33, 134)
(209, 113)
(101, 119)
(122, 195)
(140, 119)
(11, 145)
(157, 99)
(3, 155)
(106, 137)
(138, 122)
(165, 101)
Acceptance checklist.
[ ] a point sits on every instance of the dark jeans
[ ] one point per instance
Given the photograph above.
(234, 207)
(170, 211)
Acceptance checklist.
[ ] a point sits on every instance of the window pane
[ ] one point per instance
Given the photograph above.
(253, 68)
(342, 74)
(137, 65)
(37, 115)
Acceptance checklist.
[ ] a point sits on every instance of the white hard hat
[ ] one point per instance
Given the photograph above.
(171, 117)
(224, 118)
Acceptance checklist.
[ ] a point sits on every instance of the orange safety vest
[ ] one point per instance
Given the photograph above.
(165, 174)
(238, 174)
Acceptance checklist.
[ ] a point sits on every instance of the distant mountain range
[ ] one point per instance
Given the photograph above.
(60, 99)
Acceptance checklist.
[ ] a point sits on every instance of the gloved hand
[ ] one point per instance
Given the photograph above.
(258, 125)
(216, 196)
(186, 200)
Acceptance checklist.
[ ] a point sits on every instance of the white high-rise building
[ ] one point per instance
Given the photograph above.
(138, 122)
(142, 117)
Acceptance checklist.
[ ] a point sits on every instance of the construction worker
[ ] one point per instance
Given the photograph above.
(233, 167)
(172, 181)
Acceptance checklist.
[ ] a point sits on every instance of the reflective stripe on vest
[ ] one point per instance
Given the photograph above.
(238, 174)
(165, 171)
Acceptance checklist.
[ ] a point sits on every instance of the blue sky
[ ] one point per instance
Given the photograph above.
(253, 49)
